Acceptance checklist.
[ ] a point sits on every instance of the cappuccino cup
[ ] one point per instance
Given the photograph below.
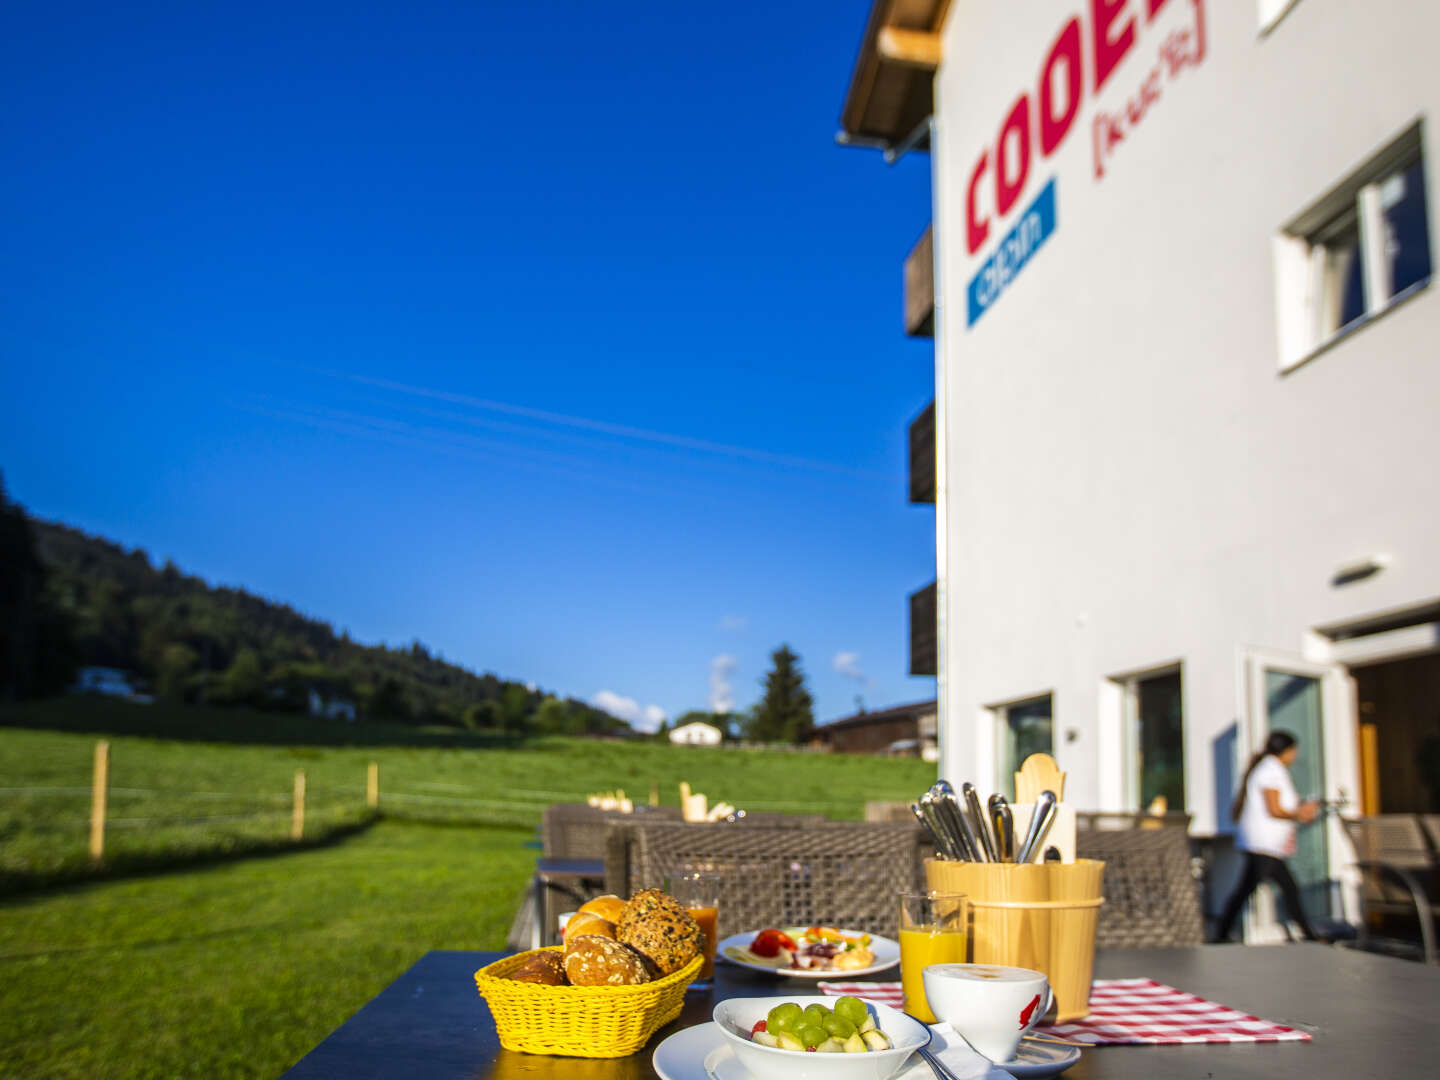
(988, 1005)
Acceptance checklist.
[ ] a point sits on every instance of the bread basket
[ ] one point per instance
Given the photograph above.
(579, 1021)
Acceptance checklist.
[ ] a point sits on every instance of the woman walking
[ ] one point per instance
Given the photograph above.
(1268, 809)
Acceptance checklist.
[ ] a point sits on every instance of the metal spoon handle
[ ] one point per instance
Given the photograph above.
(977, 819)
(1039, 825)
(1004, 822)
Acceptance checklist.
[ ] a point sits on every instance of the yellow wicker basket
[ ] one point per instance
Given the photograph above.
(580, 1021)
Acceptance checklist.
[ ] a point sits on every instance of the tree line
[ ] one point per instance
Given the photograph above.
(68, 600)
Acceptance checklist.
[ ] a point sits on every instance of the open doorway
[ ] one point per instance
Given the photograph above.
(1401, 699)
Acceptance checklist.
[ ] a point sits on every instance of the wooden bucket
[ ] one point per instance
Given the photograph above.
(1040, 916)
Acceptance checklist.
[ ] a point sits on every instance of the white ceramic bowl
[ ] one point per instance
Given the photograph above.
(737, 1016)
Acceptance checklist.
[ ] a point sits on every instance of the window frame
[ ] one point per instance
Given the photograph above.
(1128, 684)
(1005, 766)
(1300, 252)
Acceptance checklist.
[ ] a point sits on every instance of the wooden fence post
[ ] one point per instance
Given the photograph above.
(297, 816)
(372, 786)
(99, 790)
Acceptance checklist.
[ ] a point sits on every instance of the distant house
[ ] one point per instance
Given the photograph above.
(696, 733)
(329, 702)
(111, 682)
(900, 731)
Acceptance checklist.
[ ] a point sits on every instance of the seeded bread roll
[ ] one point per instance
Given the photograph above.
(546, 968)
(657, 927)
(609, 907)
(585, 922)
(592, 960)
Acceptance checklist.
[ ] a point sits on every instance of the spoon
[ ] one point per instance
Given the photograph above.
(1040, 823)
(1004, 822)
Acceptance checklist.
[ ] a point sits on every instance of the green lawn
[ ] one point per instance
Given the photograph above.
(209, 946)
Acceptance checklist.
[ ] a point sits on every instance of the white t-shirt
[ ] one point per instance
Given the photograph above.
(1259, 831)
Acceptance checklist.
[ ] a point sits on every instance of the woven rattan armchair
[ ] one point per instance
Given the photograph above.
(577, 831)
(840, 873)
(1151, 896)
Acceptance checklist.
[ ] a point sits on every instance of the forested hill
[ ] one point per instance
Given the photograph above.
(202, 643)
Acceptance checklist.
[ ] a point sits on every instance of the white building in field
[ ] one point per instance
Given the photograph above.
(1187, 370)
(696, 733)
(111, 682)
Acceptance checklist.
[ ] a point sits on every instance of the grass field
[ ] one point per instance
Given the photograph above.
(213, 947)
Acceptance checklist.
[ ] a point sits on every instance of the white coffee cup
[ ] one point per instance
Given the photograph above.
(989, 1006)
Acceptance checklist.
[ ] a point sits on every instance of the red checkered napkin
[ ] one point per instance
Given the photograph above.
(1131, 1011)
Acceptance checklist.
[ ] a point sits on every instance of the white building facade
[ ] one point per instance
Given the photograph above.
(1187, 367)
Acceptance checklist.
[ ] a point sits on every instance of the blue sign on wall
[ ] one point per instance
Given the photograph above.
(1020, 243)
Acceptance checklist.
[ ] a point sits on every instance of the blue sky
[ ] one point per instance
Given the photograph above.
(565, 341)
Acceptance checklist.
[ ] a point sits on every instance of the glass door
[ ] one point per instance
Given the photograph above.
(1293, 704)
(1315, 703)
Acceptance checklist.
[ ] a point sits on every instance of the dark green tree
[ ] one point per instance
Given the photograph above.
(36, 654)
(786, 708)
(388, 703)
(177, 661)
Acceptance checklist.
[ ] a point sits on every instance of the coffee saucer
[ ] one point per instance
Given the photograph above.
(1034, 1059)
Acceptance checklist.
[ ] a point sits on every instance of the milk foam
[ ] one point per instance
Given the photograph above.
(988, 973)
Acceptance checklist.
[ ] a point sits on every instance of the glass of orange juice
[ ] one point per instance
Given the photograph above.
(699, 892)
(932, 931)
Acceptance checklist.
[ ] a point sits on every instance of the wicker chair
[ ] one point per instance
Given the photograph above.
(577, 831)
(1151, 898)
(841, 873)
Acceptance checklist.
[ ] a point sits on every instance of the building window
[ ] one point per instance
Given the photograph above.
(1025, 728)
(1155, 739)
(1355, 253)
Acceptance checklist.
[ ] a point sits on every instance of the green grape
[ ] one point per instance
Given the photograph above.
(811, 1035)
(839, 1026)
(783, 1017)
(852, 1009)
(815, 1014)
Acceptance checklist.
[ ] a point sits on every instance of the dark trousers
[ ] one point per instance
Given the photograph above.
(1257, 869)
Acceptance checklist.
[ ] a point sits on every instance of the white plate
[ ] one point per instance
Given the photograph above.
(701, 1053)
(887, 955)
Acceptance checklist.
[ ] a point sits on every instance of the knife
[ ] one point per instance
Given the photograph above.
(977, 819)
(955, 814)
(940, 828)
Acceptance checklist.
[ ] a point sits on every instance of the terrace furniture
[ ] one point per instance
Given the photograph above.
(577, 831)
(1152, 899)
(1397, 858)
(842, 873)
(888, 811)
(1369, 1015)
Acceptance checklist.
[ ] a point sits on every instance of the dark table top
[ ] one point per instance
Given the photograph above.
(1370, 1016)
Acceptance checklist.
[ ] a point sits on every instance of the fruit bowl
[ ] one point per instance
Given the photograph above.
(736, 1017)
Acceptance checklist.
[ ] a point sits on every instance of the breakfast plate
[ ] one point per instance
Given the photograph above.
(735, 949)
(701, 1053)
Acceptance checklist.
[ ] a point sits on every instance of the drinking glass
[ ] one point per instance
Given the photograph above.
(699, 893)
(932, 931)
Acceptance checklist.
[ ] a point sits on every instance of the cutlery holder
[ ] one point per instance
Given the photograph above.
(1036, 916)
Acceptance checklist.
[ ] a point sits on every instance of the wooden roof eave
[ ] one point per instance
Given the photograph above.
(891, 88)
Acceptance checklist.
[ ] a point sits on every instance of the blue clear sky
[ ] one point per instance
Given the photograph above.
(564, 340)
